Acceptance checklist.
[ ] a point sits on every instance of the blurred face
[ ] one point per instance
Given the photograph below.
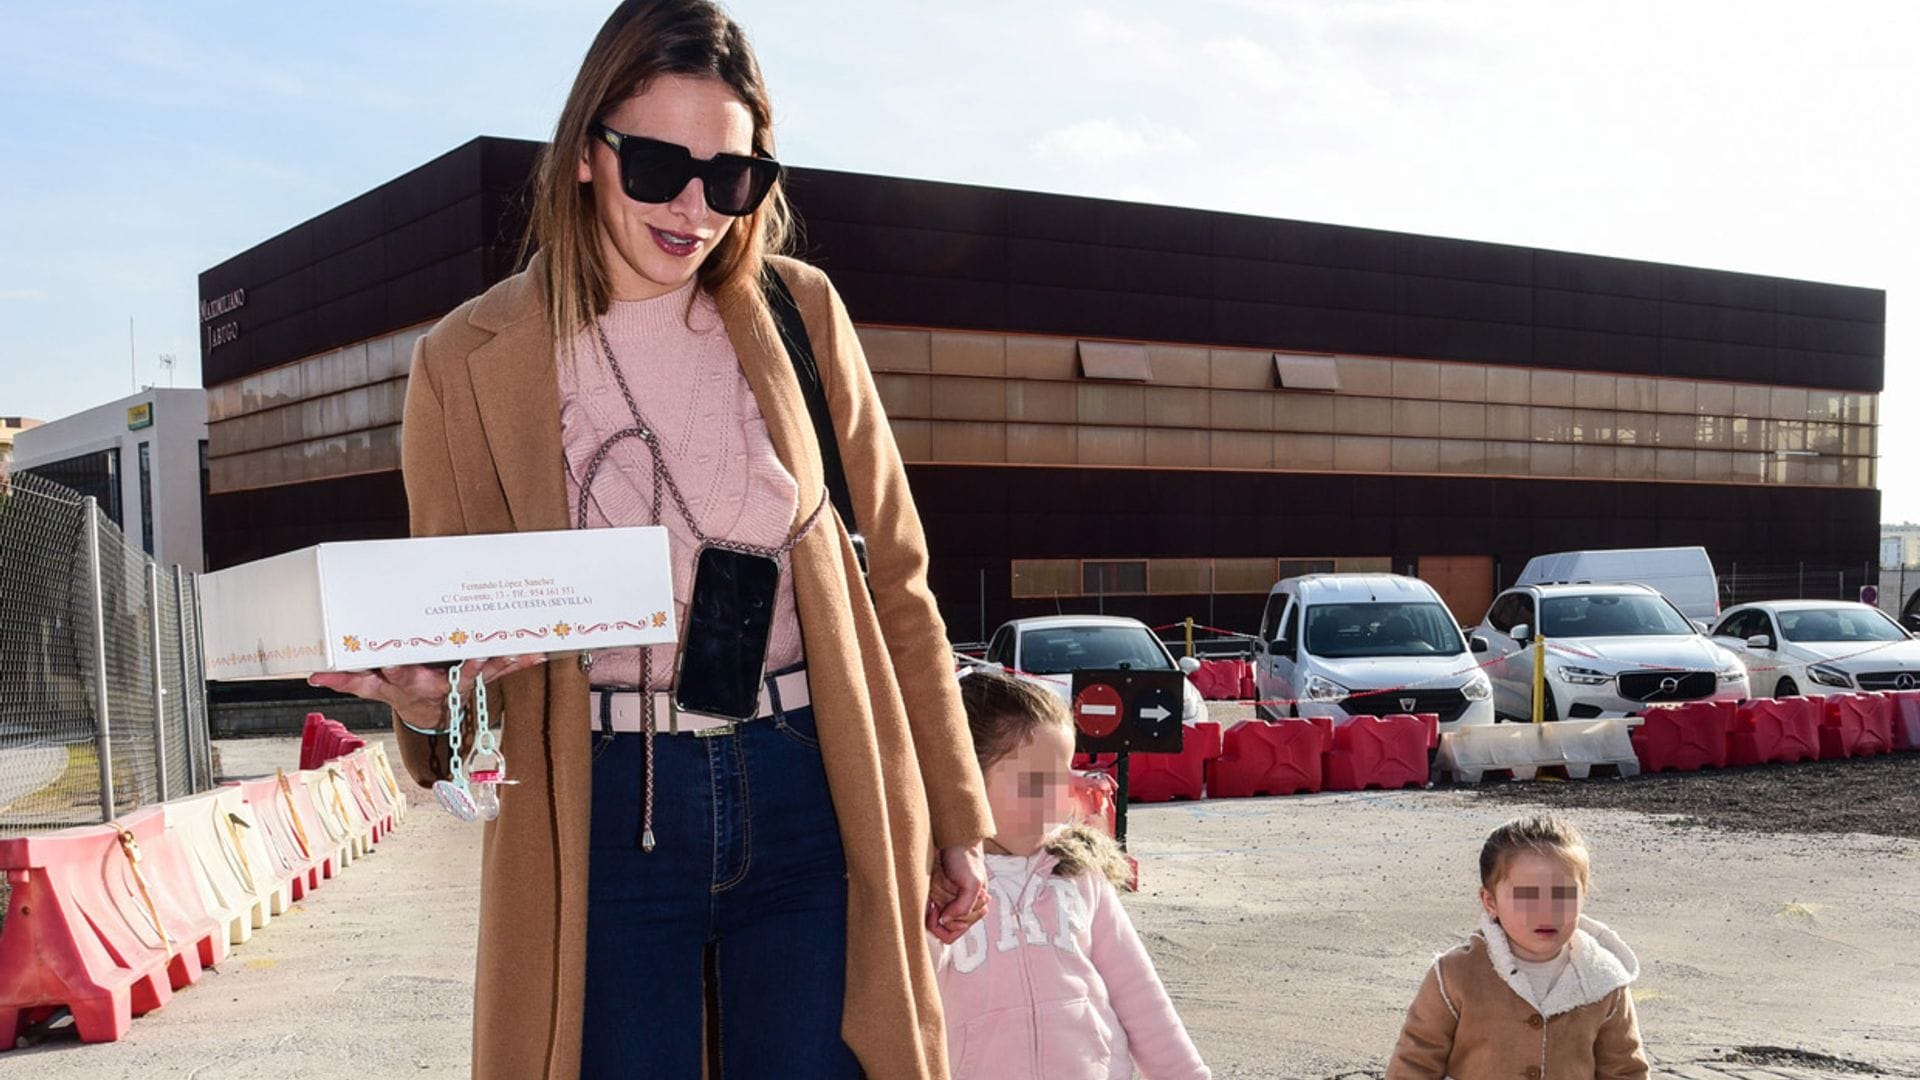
(1027, 790)
(651, 249)
(1537, 903)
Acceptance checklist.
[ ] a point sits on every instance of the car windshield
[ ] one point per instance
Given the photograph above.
(1610, 615)
(1335, 631)
(1056, 650)
(1838, 624)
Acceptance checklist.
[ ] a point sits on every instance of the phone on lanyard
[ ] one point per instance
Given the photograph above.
(723, 654)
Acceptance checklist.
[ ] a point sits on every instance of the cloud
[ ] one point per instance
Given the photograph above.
(24, 295)
(1110, 140)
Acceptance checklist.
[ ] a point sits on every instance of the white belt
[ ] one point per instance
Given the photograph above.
(783, 692)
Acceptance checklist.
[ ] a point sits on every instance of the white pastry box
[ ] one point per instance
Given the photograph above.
(433, 600)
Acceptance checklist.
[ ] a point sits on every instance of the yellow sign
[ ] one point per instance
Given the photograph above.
(140, 416)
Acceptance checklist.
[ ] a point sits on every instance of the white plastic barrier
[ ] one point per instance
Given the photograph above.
(340, 837)
(1524, 749)
(207, 828)
(383, 772)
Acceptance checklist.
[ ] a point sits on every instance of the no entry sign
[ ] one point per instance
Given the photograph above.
(1096, 710)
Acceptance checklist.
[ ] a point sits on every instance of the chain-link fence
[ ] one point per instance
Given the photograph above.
(1742, 583)
(100, 683)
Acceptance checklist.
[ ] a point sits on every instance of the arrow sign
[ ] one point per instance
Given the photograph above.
(1158, 712)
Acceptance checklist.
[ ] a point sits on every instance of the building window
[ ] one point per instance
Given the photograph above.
(1127, 578)
(1112, 360)
(1179, 577)
(1305, 372)
(1040, 579)
(1254, 576)
(146, 497)
(96, 474)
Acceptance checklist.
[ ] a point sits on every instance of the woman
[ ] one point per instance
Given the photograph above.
(774, 872)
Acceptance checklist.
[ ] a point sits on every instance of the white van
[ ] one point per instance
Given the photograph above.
(1684, 575)
(1343, 645)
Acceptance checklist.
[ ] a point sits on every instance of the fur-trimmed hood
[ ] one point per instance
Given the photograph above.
(1601, 963)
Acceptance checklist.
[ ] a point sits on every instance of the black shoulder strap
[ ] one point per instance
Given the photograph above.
(793, 334)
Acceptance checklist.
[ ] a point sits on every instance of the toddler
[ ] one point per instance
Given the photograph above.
(1540, 991)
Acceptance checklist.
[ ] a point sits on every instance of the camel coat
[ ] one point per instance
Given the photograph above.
(482, 454)
(1476, 1016)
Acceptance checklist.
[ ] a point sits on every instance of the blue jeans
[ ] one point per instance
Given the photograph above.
(748, 861)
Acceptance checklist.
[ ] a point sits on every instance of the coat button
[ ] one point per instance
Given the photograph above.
(1533, 1072)
(1534, 1021)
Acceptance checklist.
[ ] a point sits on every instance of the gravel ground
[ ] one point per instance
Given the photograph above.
(1291, 933)
(1878, 796)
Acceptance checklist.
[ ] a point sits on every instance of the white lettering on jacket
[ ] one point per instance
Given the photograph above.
(1017, 920)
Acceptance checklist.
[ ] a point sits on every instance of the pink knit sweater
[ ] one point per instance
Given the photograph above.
(688, 384)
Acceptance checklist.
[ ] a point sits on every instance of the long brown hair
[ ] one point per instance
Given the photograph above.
(641, 41)
(1541, 834)
(1003, 712)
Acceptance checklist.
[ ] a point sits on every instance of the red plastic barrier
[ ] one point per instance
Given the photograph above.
(84, 929)
(1780, 729)
(1380, 752)
(1165, 777)
(1092, 795)
(1260, 757)
(1684, 738)
(1248, 691)
(1220, 680)
(295, 860)
(310, 734)
(1856, 725)
(1906, 719)
(170, 873)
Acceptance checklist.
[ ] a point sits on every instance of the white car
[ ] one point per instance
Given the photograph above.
(1612, 650)
(1344, 645)
(1047, 650)
(1819, 647)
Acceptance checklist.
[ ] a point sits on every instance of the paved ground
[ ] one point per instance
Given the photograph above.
(1292, 933)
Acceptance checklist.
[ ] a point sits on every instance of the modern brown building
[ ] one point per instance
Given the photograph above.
(1144, 409)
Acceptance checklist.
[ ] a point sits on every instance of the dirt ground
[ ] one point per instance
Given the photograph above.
(1291, 932)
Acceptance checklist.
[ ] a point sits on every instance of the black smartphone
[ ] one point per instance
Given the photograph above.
(723, 649)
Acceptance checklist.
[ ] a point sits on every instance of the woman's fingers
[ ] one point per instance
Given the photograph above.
(361, 684)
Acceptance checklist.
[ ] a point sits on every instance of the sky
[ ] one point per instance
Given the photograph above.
(143, 143)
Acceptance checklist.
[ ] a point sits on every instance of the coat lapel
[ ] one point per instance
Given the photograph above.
(518, 396)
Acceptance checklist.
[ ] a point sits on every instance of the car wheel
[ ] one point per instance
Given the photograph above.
(1786, 688)
(1551, 714)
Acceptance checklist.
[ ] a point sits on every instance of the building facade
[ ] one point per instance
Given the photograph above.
(142, 458)
(1141, 409)
(10, 428)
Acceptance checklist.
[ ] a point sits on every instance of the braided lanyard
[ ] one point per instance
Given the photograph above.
(471, 794)
(662, 477)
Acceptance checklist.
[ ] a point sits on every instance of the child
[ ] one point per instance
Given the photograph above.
(1053, 984)
(1540, 990)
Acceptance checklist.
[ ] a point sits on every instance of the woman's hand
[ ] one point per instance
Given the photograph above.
(418, 692)
(957, 895)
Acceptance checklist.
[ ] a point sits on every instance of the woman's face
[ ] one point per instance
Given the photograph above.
(651, 249)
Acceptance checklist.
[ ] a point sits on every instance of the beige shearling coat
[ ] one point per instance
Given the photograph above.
(481, 453)
(1475, 1017)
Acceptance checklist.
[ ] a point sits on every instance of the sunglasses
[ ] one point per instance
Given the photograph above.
(652, 171)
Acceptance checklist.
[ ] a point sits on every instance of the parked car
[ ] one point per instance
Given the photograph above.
(1049, 649)
(1910, 611)
(1819, 647)
(1345, 645)
(1684, 575)
(1620, 649)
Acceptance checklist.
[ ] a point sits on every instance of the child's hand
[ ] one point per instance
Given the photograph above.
(957, 893)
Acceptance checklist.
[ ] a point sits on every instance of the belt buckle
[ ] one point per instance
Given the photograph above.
(723, 729)
(673, 722)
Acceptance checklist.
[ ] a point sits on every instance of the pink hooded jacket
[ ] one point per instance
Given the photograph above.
(1054, 985)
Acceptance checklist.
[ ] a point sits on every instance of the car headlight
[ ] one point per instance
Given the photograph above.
(1579, 676)
(1478, 688)
(1733, 673)
(1830, 676)
(1326, 690)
